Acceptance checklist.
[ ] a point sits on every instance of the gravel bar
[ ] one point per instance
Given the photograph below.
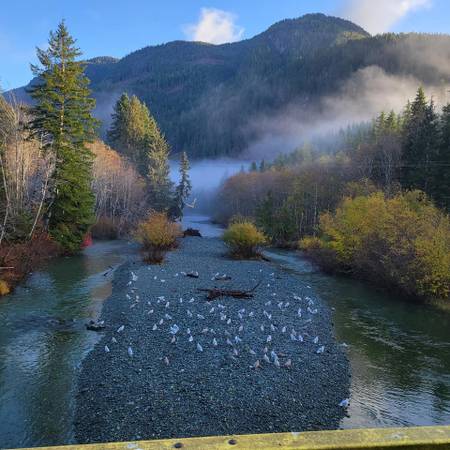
(171, 364)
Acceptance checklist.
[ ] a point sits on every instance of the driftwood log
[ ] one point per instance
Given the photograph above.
(191, 232)
(214, 293)
(192, 274)
(95, 325)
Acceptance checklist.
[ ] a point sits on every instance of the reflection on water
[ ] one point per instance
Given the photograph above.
(399, 351)
(43, 340)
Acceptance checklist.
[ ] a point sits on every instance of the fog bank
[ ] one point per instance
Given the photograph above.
(206, 177)
(359, 99)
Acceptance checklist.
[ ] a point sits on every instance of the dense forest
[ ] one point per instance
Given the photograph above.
(205, 97)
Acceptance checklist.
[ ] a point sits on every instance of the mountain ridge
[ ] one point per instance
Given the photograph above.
(205, 95)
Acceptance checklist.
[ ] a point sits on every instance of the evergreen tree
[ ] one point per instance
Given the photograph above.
(392, 123)
(131, 128)
(134, 132)
(117, 134)
(380, 125)
(419, 145)
(62, 120)
(407, 112)
(253, 167)
(158, 175)
(183, 190)
(265, 215)
(442, 184)
(141, 128)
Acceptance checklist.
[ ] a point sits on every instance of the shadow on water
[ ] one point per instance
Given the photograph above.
(43, 340)
(399, 351)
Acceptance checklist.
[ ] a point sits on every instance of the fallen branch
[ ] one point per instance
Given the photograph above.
(214, 293)
(192, 274)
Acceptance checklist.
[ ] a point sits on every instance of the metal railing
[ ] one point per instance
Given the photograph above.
(423, 438)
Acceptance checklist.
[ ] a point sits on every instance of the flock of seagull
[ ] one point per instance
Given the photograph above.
(230, 330)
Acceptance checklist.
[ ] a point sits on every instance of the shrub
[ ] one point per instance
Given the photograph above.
(244, 240)
(402, 242)
(319, 253)
(4, 288)
(158, 235)
(239, 218)
(309, 243)
(19, 258)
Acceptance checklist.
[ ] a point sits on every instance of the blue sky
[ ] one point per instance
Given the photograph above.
(115, 28)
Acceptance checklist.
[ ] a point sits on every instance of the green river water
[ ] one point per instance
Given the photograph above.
(399, 351)
(43, 340)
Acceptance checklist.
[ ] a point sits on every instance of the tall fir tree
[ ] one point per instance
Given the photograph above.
(442, 185)
(419, 150)
(158, 176)
(117, 134)
(63, 122)
(392, 123)
(183, 189)
(134, 132)
(379, 125)
(131, 128)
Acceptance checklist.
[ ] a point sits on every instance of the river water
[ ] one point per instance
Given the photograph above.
(43, 340)
(399, 351)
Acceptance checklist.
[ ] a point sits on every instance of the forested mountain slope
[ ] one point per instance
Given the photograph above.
(204, 96)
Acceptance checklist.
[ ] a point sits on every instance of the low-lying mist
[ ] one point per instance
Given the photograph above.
(360, 99)
(206, 177)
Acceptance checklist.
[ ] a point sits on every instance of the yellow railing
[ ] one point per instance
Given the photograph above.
(422, 438)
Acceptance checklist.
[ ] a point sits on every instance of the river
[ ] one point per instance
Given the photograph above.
(43, 340)
(399, 351)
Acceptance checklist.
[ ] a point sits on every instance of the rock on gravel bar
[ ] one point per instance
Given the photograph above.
(172, 364)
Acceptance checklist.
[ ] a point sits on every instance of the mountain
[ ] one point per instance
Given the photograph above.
(205, 96)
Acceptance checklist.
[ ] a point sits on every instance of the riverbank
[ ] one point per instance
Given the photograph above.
(19, 259)
(171, 364)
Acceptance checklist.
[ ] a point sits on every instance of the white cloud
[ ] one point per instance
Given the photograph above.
(214, 26)
(378, 16)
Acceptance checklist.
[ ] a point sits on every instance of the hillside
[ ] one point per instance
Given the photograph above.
(205, 96)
